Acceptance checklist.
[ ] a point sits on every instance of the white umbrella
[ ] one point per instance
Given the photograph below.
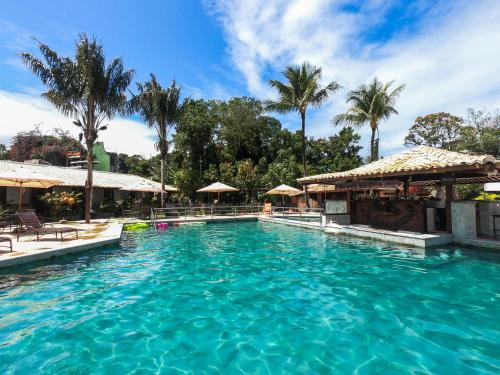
(217, 187)
(23, 178)
(284, 190)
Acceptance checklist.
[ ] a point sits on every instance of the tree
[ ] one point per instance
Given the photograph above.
(240, 122)
(284, 170)
(487, 127)
(301, 90)
(85, 89)
(442, 130)
(370, 104)
(51, 148)
(160, 108)
(247, 178)
(478, 133)
(334, 154)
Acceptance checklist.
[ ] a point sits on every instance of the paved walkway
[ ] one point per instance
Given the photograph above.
(98, 233)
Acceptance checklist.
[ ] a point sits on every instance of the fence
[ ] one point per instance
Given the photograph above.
(214, 212)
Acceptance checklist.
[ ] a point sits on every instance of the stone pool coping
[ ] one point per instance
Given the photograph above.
(99, 232)
(27, 250)
(109, 231)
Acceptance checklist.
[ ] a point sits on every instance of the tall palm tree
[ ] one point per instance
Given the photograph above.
(370, 104)
(84, 88)
(160, 108)
(301, 90)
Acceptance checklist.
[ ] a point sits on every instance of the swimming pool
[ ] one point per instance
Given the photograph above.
(252, 298)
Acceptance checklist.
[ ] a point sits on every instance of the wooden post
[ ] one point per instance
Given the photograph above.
(406, 187)
(450, 190)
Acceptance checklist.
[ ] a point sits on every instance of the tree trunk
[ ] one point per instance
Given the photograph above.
(303, 118)
(373, 145)
(162, 179)
(89, 182)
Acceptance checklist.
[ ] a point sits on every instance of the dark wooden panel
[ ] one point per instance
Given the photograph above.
(387, 214)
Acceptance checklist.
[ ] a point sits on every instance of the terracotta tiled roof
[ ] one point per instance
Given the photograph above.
(420, 159)
(73, 177)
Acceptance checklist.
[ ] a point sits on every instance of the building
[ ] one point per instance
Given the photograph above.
(107, 185)
(468, 222)
(106, 161)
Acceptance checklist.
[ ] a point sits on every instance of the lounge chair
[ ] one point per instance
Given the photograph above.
(6, 239)
(31, 224)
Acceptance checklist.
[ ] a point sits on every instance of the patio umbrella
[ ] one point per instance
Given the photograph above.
(217, 187)
(23, 178)
(284, 190)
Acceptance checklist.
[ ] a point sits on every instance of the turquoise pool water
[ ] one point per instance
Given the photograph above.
(252, 298)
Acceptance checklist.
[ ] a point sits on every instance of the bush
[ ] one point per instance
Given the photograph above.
(63, 205)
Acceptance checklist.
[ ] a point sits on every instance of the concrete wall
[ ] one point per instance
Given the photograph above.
(463, 219)
(342, 219)
(486, 212)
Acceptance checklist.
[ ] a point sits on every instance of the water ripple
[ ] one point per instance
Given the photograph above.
(252, 298)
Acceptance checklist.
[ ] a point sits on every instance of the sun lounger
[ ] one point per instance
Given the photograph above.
(31, 224)
(6, 239)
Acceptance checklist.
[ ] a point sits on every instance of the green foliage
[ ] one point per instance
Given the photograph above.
(485, 196)
(478, 133)
(468, 191)
(334, 154)
(370, 104)
(63, 204)
(160, 108)
(442, 130)
(4, 154)
(284, 170)
(301, 90)
(135, 164)
(84, 88)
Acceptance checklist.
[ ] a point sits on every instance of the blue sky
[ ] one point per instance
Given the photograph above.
(446, 52)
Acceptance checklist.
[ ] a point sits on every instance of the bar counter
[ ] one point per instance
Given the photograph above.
(390, 214)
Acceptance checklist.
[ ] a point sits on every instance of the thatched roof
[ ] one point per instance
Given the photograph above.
(418, 160)
(73, 177)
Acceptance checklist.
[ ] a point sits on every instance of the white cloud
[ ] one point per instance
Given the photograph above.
(448, 62)
(19, 112)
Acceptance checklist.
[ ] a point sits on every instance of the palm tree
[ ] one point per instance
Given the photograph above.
(369, 105)
(301, 90)
(161, 109)
(85, 89)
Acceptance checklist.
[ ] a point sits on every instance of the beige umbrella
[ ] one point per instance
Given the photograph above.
(284, 190)
(217, 187)
(22, 178)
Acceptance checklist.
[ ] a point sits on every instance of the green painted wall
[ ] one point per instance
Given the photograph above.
(102, 157)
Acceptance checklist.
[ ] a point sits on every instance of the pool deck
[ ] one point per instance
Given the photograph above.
(98, 233)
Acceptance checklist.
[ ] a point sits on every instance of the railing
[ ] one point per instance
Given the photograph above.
(301, 215)
(211, 212)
